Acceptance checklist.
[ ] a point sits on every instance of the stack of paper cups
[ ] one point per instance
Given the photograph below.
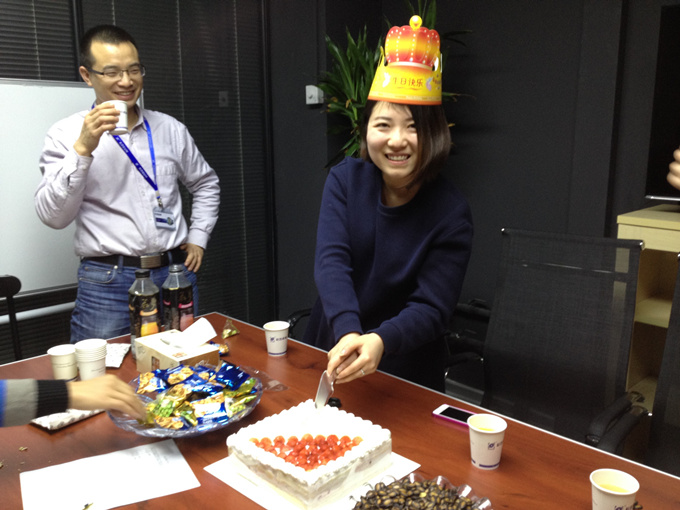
(91, 356)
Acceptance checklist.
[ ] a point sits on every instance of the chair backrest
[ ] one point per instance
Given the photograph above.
(9, 287)
(556, 351)
(663, 451)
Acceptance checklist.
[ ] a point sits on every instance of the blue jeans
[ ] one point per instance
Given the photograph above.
(102, 309)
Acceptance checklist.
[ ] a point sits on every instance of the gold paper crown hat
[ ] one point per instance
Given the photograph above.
(410, 66)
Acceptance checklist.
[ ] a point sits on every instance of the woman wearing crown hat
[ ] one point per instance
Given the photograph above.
(394, 236)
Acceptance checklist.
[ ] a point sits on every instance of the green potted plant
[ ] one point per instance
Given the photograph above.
(347, 84)
(346, 87)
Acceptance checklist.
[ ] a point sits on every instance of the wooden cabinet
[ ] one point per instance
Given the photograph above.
(659, 228)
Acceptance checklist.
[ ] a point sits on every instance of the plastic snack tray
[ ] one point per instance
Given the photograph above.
(130, 424)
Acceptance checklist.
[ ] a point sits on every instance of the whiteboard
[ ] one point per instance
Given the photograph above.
(40, 256)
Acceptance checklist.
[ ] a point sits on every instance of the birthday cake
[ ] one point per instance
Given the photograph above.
(345, 452)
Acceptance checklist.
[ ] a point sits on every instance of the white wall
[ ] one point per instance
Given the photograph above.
(38, 255)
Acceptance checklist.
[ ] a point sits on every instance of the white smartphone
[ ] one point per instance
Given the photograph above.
(452, 414)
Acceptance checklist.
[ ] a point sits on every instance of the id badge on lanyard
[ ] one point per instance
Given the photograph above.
(163, 217)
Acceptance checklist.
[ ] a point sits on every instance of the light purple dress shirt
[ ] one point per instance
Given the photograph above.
(110, 201)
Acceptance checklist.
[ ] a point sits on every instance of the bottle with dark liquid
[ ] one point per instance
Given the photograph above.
(144, 301)
(178, 300)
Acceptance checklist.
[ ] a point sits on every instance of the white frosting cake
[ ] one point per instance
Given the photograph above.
(326, 483)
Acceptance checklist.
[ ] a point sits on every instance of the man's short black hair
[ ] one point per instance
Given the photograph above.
(109, 34)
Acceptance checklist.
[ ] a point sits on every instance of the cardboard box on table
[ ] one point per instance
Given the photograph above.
(171, 348)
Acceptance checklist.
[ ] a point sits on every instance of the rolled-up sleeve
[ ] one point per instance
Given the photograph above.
(64, 176)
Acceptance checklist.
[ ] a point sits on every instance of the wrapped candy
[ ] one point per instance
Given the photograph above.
(231, 376)
(197, 395)
(246, 387)
(150, 383)
(202, 388)
(170, 422)
(208, 405)
(229, 329)
(187, 413)
(176, 374)
(204, 372)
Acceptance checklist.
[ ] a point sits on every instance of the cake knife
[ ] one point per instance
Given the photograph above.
(325, 390)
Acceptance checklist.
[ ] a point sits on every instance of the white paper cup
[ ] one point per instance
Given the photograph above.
(613, 489)
(276, 333)
(92, 348)
(64, 364)
(122, 124)
(486, 440)
(92, 369)
(91, 356)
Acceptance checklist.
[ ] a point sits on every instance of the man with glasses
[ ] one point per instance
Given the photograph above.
(123, 190)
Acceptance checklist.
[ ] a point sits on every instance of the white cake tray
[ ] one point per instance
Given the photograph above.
(228, 470)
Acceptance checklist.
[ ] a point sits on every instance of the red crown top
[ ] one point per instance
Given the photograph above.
(412, 44)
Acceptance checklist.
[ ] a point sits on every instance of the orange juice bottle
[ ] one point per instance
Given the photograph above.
(143, 301)
(150, 322)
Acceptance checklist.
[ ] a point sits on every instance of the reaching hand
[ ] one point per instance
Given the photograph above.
(106, 392)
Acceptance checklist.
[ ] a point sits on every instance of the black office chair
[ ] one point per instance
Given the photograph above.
(663, 451)
(294, 320)
(9, 287)
(556, 351)
(464, 372)
(467, 331)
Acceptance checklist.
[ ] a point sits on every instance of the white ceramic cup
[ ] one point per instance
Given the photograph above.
(64, 364)
(122, 124)
(91, 356)
(487, 433)
(276, 333)
(613, 489)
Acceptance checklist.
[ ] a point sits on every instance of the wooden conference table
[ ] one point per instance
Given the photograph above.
(537, 470)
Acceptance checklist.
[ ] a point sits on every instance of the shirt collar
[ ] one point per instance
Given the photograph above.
(140, 117)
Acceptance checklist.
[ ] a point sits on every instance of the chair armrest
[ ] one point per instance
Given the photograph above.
(294, 317)
(612, 441)
(609, 416)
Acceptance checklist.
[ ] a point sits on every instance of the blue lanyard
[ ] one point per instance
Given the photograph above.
(138, 165)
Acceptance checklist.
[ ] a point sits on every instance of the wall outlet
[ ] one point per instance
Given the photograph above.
(313, 94)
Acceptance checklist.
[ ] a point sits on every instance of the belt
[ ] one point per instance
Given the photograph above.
(150, 261)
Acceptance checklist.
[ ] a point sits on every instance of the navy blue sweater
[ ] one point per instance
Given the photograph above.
(395, 271)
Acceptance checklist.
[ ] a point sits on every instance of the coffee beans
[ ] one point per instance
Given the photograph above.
(413, 495)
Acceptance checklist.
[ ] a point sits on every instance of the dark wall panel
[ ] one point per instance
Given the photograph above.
(525, 152)
(297, 56)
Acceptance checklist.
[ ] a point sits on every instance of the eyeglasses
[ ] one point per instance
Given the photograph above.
(134, 71)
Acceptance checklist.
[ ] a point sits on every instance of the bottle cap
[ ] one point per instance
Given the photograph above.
(142, 273)
(176, 268)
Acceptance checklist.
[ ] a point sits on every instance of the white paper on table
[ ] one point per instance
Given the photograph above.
(227, 470)
(110, 480)
(199, 333)
(58, 421)
(115, 353)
